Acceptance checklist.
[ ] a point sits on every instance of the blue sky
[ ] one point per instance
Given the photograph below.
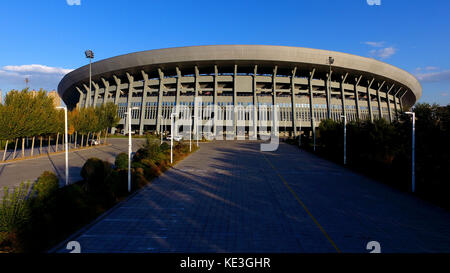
(43, 39)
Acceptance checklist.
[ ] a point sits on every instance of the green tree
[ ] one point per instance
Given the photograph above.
(108, 117)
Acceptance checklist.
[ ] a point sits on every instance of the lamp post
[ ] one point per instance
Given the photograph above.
(171, 136)
(90, 55)
(314, 134)
(129, 146)
(413, 178)
(345, 139)
(330, 61)
(196, 127)
(66, 143)
(300, 135)
(190, 136)
(160, 130)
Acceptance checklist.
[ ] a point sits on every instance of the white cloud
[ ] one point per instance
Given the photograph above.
(444, 94)
(40, 76)
(383, 53)
(375, 44)
(37, 68)
(426, 68)
(437, 76)
(431, 68)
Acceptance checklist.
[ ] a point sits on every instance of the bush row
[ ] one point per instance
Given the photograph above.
(383, 150)
(35, 218)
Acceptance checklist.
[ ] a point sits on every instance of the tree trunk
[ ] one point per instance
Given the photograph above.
(32, 146)
(87, 139)
(82, 138)
(76, 135)
(15, 149)
(56, 144)
(40, 146)
(6, 148)
(106, 135)
(23, 147)
(48, 148)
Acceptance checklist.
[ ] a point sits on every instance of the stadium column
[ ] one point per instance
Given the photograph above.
(105, 94)
(311, 97)
(328, 94)
(358, 111)
(197, 112)
(396, 103)
(130, 95)
(117, 95)
(235, 100)
(118, 83)
(274, 100)
(81, 97)
(369, 98)
(343, 78)
(88, 96)
(380, 109)
(389, 102)
(401, 101)
(293, 101)
(160, 96)
(143, 102)
(96, 87)
(255, 102)
(216, 75)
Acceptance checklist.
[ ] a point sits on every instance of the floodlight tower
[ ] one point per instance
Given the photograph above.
(90, 55)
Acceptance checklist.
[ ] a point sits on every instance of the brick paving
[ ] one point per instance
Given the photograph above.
(227, 197)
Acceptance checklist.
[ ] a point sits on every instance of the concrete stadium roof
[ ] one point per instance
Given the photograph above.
(283, 56)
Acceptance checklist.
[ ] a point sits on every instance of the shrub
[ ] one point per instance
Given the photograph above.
(138, 178)
(14, 209)
(94, 173)
(46, 185)
(165, 147)
(151, 169)
(14, 214)
(142, 153)
(121, 161)
(62, 214)
(117, 182)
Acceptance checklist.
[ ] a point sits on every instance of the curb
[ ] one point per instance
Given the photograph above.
(51, 154)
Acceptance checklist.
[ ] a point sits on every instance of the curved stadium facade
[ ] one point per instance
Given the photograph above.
(248, 79)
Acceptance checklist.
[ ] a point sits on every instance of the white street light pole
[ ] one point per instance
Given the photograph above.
(330, 61)
(66, 143)
(413, 150)
(129, 146)
(90, 55)
(190, 136)
(171, 137)
(314, 134)
(300, 134)
(196, 127)
(345, 139)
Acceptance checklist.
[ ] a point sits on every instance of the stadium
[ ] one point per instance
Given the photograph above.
(301, 83)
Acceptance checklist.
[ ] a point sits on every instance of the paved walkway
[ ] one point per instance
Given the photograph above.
(230, 197)
(13, 173)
